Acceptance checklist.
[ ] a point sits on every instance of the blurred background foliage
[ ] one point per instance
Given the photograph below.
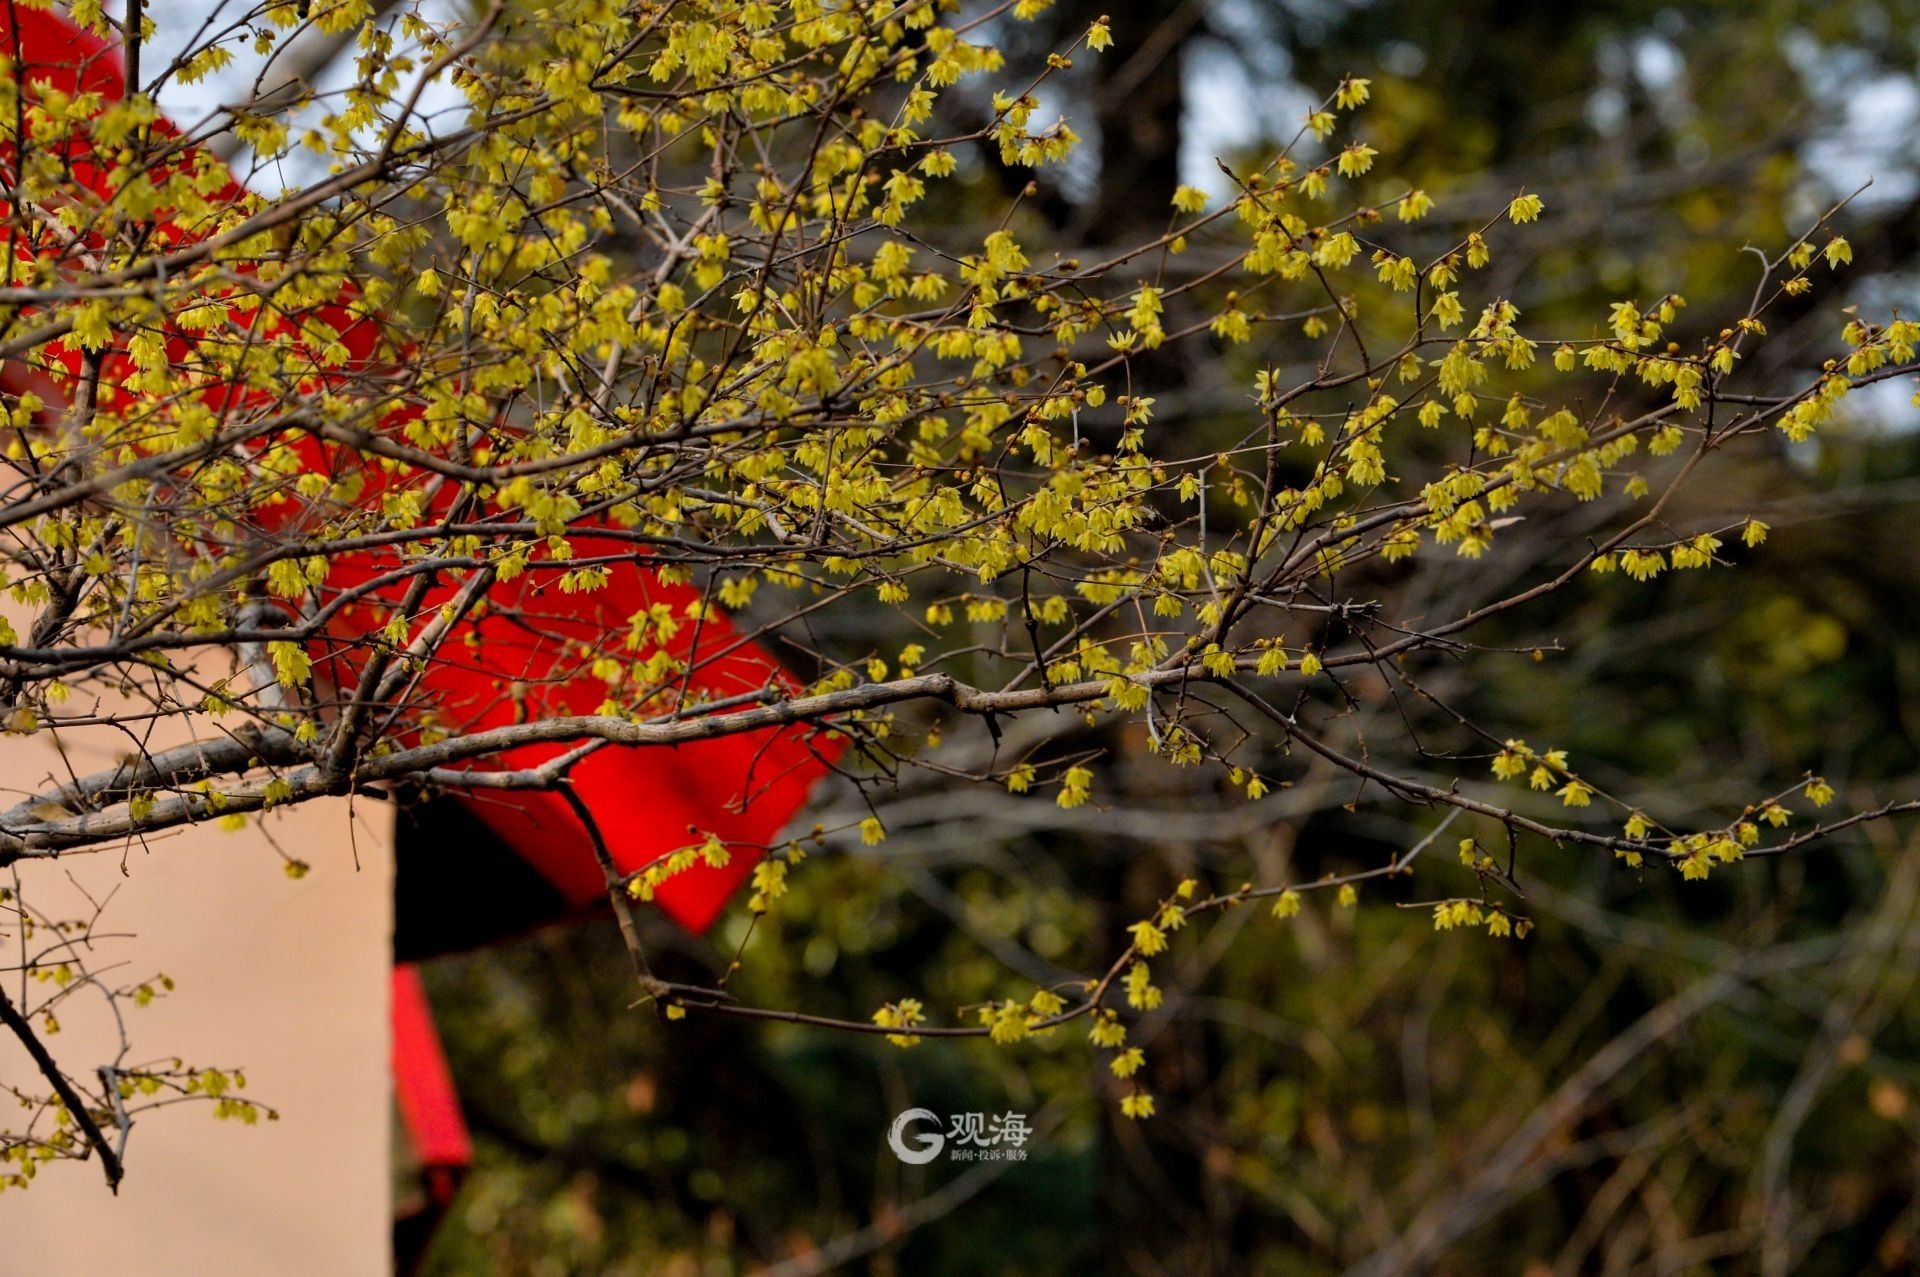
(1665, 1077)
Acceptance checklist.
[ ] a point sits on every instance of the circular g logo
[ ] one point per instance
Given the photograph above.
(929, 1145)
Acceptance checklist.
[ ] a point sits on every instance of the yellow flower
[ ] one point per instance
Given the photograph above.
(1413, 206)
(1356, 159)
(1190, 199)
(1148, 938)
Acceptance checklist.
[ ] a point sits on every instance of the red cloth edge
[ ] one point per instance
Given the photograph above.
(422, 1082)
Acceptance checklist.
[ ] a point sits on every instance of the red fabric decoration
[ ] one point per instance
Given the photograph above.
(529, 656)
(423, 1086)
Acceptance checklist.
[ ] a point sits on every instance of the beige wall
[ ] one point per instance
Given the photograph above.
(285, 978)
